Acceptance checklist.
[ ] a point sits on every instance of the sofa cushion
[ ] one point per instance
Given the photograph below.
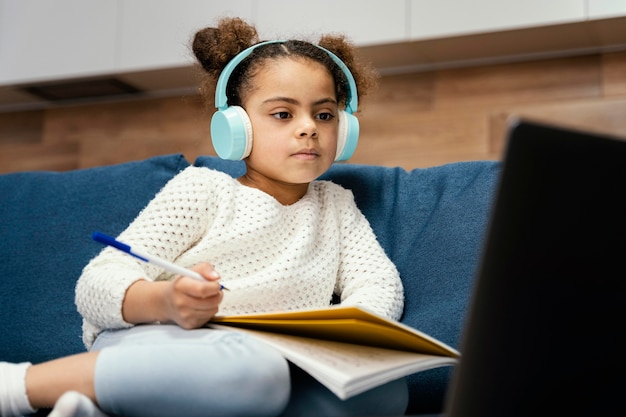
(47, 219)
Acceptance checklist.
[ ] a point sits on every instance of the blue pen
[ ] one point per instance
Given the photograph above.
(139, 254)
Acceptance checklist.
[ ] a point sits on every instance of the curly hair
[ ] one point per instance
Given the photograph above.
(215, 47)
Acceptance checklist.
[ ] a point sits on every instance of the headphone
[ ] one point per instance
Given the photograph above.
(231, 129)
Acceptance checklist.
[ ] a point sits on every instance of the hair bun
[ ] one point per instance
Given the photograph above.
(215, 47)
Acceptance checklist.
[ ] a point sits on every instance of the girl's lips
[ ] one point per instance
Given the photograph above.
(306, 154)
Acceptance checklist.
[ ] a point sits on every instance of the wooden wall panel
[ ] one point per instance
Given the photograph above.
(37, 156)
(412, 120)
(528, 82)
(614, 74)
(21, 127)
(411, 139)
(115, 132)
(601, 116)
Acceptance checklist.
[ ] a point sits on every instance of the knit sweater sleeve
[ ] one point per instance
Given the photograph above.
(366, 276)
(171, 223)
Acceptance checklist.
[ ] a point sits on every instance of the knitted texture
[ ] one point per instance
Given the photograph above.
(272, 257)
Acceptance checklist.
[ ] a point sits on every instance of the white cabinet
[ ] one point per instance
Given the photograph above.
(158, 33)
(601, 9)
(364, 22)
(443, 18)
(63, 39)
(41, 40)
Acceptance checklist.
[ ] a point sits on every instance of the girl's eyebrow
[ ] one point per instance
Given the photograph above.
(290, 100)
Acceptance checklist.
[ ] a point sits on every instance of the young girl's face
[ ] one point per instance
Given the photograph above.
(293, 109)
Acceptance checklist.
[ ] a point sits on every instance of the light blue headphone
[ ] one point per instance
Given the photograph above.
(231, 130)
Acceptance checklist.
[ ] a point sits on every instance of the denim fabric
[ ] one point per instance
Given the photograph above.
(164, 370)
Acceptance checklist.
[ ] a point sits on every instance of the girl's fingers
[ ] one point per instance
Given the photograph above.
(207, 271)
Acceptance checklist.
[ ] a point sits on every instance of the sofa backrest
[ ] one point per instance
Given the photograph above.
(46, 222)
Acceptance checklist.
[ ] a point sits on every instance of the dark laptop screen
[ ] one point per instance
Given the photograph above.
(545, 334)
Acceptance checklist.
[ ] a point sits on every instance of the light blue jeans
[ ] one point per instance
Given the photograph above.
(164, 370)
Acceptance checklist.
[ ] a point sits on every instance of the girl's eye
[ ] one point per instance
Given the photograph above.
(325, 116)
(281, 115)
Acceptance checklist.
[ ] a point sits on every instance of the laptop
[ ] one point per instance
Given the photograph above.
(546, 327)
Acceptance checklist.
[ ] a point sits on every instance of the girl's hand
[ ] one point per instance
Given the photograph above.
(191, 303)
(188, 302)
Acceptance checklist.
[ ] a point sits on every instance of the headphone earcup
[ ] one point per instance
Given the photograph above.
(231, 133)
(347, 136)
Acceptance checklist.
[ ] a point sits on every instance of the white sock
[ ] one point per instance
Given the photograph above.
(75, 404)
(13, 398)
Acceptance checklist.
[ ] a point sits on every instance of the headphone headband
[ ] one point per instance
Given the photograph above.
(221, 101)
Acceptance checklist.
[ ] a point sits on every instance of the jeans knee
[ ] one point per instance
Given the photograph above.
(254, 381)
(265, 388)
(227, 375)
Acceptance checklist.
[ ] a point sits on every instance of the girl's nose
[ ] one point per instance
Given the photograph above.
(307, 129)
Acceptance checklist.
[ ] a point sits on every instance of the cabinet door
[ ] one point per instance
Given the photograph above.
(443, 18)
(601, 9)
(158, 33)
(44, 40)
(364, 22)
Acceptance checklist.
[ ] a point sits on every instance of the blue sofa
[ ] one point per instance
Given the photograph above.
(430, 221)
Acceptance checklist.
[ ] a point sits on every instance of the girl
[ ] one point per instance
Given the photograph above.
(279, 239)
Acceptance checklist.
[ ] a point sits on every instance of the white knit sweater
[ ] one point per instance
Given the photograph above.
(270, 256)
